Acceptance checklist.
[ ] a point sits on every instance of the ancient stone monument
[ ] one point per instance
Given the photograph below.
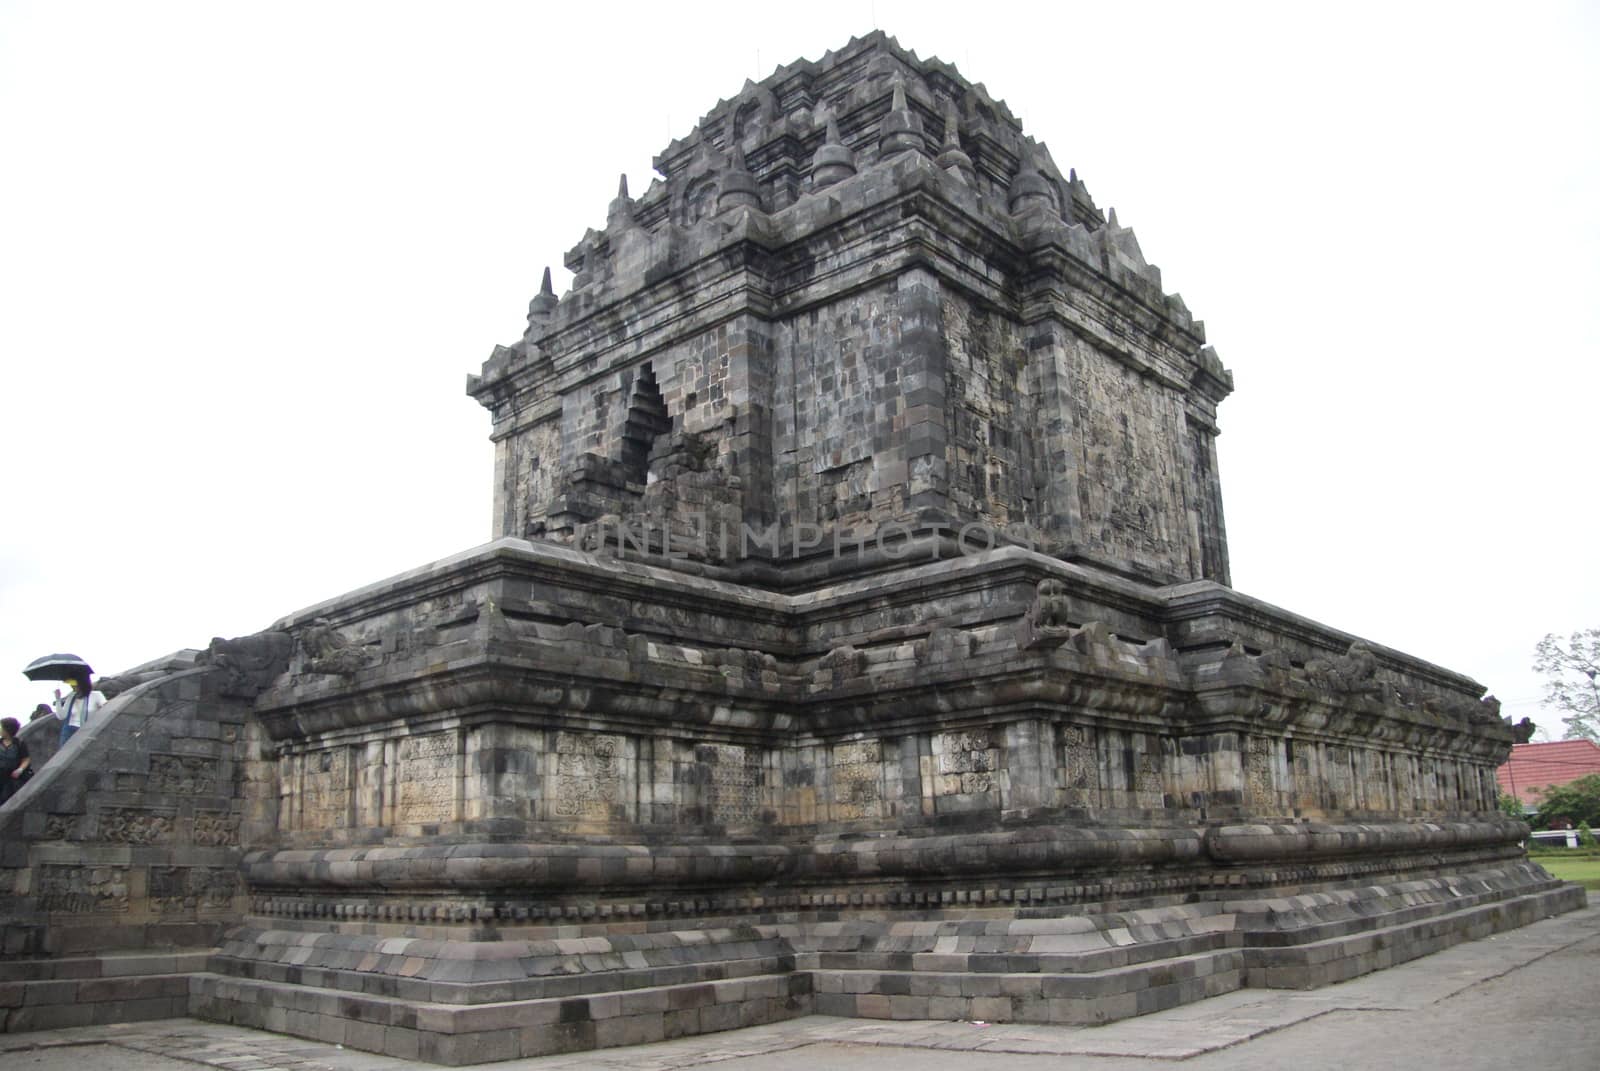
(856, 638)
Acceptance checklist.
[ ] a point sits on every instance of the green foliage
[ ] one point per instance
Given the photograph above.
(1585, 835)
(1572, 680)
(1509, 805)
(1577, 801)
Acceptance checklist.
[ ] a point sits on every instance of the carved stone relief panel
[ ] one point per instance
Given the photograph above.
(325, 789)
(735, 781)
(1336, 762)
(183, 775)
(1405, 786)
(857, 770)
(1080, 768)
(126, 826)
(216, 829)
(1148, 788)
(82, 889)
(425, 779)
(966, 762)
(589, 776)
(1259, 791)
(1305, 780)
(192, 888)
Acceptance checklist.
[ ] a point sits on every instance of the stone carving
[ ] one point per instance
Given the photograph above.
(324, 788)
(966, 762)
(329, 651)
(183, 775)
(215, 829)
(1149, 791)
(249, 664)
(588, 775)
(135, 827)
(1336, 768)
(1080, 767)
(61, 826)
(1045, 624)
(176, 889)
(1258, 773)
(426, 779)
(80, 890)
(1354, 673)
(1522, 731)
(857, 769)
(1404, 781)
(735, 782)
(1305, 782)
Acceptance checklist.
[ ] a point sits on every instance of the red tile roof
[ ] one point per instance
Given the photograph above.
(1535, 767)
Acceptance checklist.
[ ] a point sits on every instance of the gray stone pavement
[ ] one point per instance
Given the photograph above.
(1528, 998)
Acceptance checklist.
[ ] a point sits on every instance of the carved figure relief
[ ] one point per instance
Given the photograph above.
(858, 779)
(135, 827)
(183, 775)
(329, 651)
(61, 827)
(425, 780)
(1080, 769)
(192, 888)
(588, 775)
(82, 890)
(215, 829)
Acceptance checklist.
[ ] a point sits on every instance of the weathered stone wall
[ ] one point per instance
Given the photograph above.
(129, 838)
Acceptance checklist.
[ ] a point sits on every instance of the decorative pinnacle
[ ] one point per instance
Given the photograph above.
(952, 159)
(1030, 190)
(739, 186)
(542, 307)
(620, 213)
(901, 130)
(833, 160)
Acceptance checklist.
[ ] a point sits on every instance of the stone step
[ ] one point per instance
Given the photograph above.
(1032, 997)
(1338, 959)
(1046, 954)
(457, 1034)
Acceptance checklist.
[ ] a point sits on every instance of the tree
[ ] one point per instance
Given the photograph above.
(1572, 680)
(1510, 806)
(1577, 801)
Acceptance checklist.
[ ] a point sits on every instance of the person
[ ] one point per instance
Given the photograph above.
(79, 705)
(14, 761)
(41, 711)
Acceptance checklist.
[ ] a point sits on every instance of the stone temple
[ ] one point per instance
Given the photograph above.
(856, 639)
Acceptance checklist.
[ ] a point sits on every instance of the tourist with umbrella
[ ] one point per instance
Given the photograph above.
(81, 702)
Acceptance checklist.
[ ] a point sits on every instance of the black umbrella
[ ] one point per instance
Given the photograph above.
(57, 667)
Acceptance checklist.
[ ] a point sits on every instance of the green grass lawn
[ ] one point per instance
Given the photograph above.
(1584, 871)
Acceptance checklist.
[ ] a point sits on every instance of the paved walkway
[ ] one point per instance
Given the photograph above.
(1526, 999)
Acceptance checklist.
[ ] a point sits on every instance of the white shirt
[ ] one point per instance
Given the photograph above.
(75, 709)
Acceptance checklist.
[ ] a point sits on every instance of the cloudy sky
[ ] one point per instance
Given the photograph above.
(251, 251)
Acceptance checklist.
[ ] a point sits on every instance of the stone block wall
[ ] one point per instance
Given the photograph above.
(129, 838)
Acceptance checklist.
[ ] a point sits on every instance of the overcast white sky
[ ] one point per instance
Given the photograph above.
(251, 251)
